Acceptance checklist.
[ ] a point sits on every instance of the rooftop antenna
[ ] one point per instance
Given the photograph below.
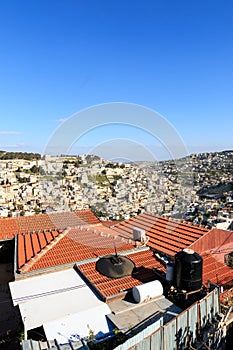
(115, 249)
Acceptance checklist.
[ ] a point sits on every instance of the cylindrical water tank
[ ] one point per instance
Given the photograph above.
(147, 291)
(170, 267)
(188, 270)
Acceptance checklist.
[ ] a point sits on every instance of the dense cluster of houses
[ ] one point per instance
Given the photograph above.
(120, 190)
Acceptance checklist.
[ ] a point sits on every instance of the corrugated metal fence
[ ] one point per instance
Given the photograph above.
(138, 338)
(180, 331)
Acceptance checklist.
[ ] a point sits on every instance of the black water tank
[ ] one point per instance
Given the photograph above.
(188, 270)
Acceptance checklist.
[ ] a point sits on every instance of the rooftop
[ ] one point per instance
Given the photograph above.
(125, 313)
(218, 242)
(9, 227)
(79, 247)
(165, 234)
(60, 295)
(213, 247)
(41, 250)
(109, 288)
(215, 271)
(84, 244)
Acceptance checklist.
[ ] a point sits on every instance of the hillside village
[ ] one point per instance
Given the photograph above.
(116, 175)
(197, 188)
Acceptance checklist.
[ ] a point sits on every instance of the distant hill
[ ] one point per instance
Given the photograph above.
(216, 191)
(200, 156)
(19, 155)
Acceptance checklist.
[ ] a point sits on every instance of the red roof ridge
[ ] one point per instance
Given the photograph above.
(93, 225)
(100, 233)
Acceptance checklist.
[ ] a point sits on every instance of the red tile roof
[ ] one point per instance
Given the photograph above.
(110, 223)
(30, 245)
(71, 219)
(215, 271)
(9, 227)
(87, 217)
(34, 223)
(166, 235)
(49, 248)
(215, 240)
(108, 288)
(41, 250)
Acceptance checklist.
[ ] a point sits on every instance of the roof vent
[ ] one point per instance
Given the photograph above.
(115, 266)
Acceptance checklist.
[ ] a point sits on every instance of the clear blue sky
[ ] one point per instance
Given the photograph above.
(58, 57)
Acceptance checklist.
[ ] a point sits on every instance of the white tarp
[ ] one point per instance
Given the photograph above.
(78, 325)
(61, 301)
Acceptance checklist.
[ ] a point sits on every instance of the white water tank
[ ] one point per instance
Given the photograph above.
(170, 268)
(147, 291)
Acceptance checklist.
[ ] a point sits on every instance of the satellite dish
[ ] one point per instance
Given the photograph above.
(115, 266)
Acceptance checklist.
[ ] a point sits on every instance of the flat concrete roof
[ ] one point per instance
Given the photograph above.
(57, 299)
(126, 314)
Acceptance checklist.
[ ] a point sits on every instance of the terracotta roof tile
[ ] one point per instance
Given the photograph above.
(215, 239)
(215, 271)
(54, 233)
(72, 219)
(34, 223)
(165, 235)
(35, 244)
(87, 217)
(48, 248)
(75, 244)
(42, 239)
(145, 262)
(30, 245)
(107, 288)
(109, 223)
(48, 236)
(9, 227)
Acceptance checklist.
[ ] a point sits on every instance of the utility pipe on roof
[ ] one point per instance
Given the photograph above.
(25, 329)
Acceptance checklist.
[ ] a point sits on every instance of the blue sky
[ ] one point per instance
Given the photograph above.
(58, 57)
